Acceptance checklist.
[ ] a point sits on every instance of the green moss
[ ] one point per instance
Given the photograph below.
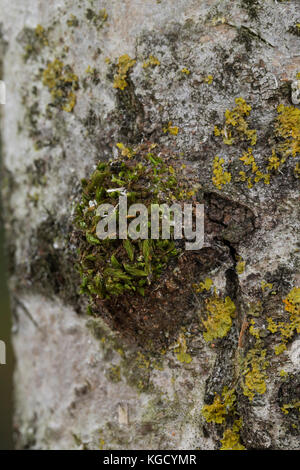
(113, 267)
(114, 373)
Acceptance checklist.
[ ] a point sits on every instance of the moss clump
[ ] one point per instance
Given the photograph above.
(125, 63)
(62, 84)
(112, 267)
(219, 317)
(254, 372)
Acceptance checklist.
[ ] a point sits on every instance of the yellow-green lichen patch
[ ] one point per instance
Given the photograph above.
(222, 406)
(287, 127)
(236, 128)
(254, 372)
(223, 411)
(123, 278)
(219, 314)
(125, 63)
(169, 128)
(205, 285)
(253, 330)
(72, 22)
(62, 84)
(151, 62)
(97, 19)
(287, 328)
(36, 39)
(185, 71)
(181, 350)
(231, 437)
(220, 176)
(209, 79)
(240, 267)
(287, 407)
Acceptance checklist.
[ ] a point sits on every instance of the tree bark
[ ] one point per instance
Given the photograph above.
(83, 383)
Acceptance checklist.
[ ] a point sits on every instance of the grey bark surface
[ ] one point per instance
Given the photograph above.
(78, 383)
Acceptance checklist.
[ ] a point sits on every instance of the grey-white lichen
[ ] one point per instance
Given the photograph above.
(296, 91)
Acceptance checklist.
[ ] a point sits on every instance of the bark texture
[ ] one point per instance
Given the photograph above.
(80, 383)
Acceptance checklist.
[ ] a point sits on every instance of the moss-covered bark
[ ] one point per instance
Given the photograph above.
(214, 84)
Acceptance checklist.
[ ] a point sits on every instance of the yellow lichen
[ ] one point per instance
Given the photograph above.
(287, 328)
(240, 267)
(173, 130)
(220, 408)
(266, 285)
(61, 82)
(181, 350)
(274, 162)
(231, 437)
(252, 330)
(220, 177)
(283, 373)
(254, 373)
(152, 61)
(272, 326)
(236, 127)
(287, 127)
(219, 317)
(290, 406)
(125, 63)
(186, 71)
(41, 34)
(209, 79)
(125, 151)
(206, 285)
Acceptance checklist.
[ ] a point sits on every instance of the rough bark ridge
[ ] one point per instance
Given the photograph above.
(70, 99)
